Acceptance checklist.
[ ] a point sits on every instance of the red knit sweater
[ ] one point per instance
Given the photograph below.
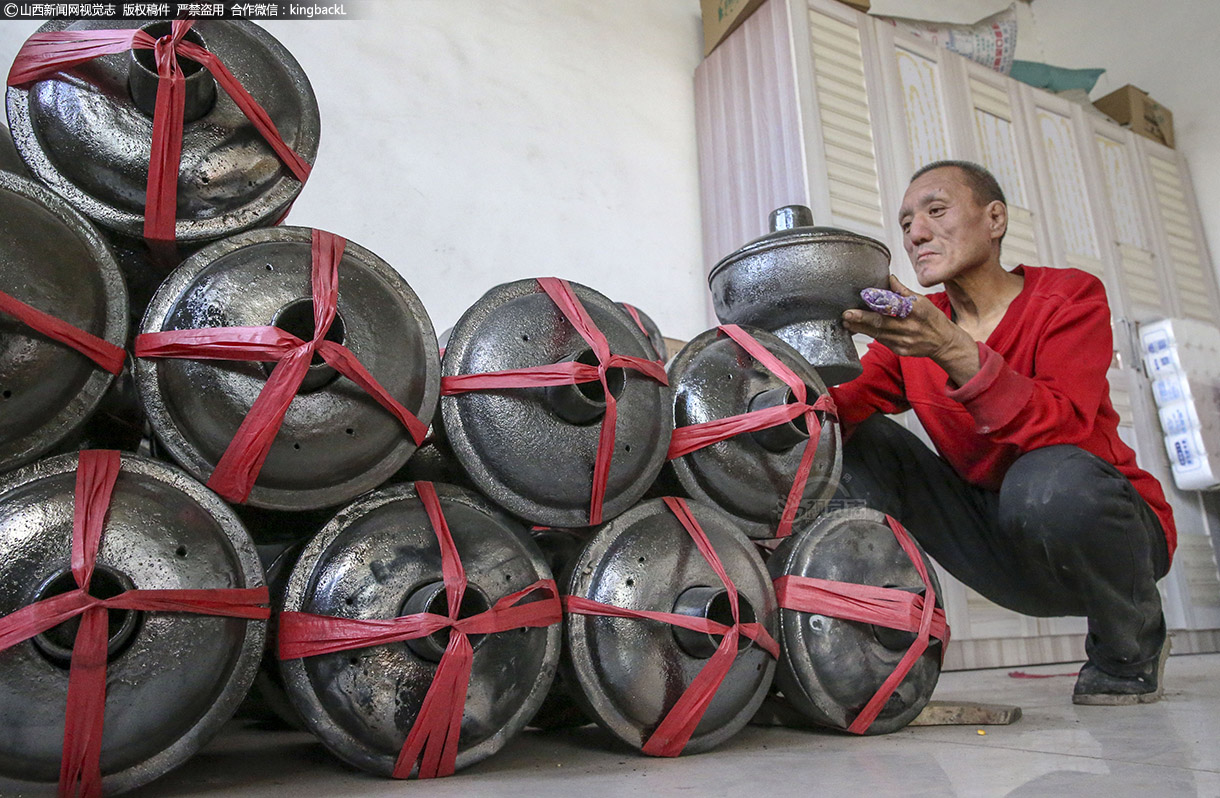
(1042, 382)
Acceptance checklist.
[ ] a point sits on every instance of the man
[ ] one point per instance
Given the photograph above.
(1035, 502)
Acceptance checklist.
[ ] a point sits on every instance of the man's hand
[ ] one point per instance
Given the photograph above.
(926, 332)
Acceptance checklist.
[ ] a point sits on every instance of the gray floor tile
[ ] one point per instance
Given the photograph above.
(1057, 749)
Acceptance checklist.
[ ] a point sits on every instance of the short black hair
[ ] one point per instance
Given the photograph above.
(983, 185)
(982, 182)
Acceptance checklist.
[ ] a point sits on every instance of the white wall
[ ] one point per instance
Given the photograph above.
(473, 142)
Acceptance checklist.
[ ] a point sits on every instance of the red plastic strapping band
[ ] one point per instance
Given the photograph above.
(239, 466)
(1024, 675)
(569, 373)
(676, 728)
(80, 769)
(696, 436)
(433, 739)
(635, 315)
(105, 354)
(888, 607)
(45, 54)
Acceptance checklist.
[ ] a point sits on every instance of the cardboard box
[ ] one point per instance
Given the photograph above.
(1132, 107)
(722, 17)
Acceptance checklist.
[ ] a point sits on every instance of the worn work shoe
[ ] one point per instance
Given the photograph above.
(1095, 687)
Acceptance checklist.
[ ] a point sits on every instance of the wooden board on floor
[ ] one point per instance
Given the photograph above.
(966, 713)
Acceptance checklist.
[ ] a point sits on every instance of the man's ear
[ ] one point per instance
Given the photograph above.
(997, 219)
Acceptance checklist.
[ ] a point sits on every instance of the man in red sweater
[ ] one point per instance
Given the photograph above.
(1034, 500)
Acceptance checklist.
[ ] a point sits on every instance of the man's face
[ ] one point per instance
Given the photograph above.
(944, 228)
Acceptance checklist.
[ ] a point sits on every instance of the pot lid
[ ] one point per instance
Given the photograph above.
(380, 559)
(628, 672)
(532, 450)
(750, 475)
(173, 678)
(336, 441)
(52, 259)
(85, 135)
(791, 225)
(831, 667)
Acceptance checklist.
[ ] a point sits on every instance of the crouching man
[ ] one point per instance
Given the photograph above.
(1033, 501)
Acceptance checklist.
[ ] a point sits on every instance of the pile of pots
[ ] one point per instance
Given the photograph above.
(312, 500)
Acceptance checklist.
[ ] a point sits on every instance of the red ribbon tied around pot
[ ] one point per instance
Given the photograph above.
(888, 607)
(676, 728)
(570, 373)
(106, 355)
(696, 436)
(80, 770)
(241, 462)
(45, 54)
(634, 312)
(433, 739)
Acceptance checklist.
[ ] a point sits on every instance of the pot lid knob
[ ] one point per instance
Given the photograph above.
(790, 216)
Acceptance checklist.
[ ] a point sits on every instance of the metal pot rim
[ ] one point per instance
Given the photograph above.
(793, 238)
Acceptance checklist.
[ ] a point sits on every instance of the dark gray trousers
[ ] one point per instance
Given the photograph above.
(1066, 534)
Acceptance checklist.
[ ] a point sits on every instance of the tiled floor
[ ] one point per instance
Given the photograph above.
(1057, 749)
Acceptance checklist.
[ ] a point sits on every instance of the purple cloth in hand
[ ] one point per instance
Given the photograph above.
(887, 303)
